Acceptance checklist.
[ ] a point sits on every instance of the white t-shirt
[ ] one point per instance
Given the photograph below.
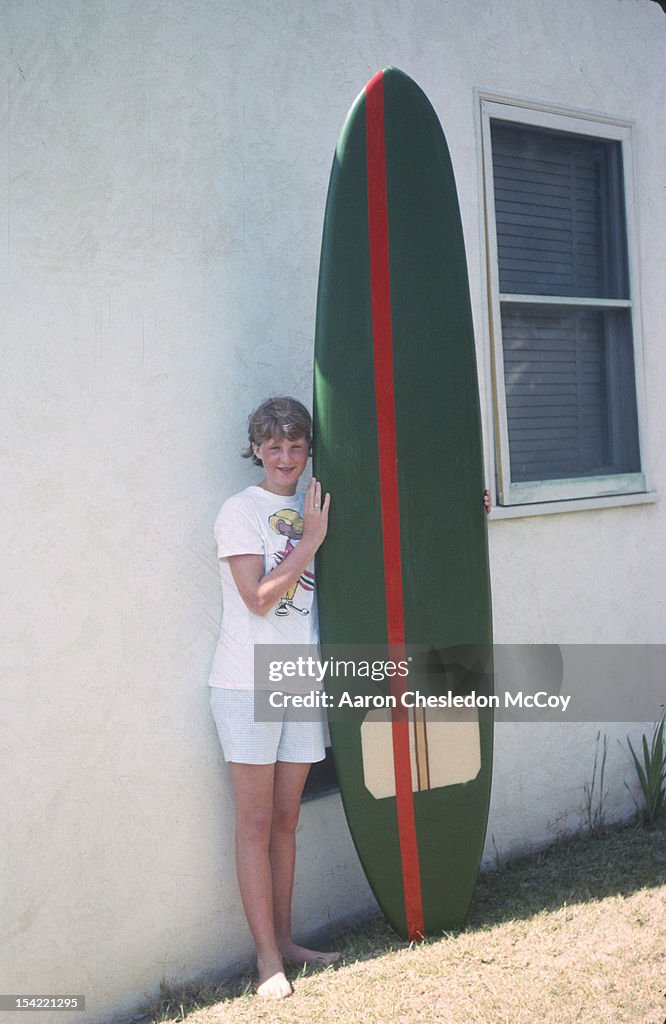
(258, 522)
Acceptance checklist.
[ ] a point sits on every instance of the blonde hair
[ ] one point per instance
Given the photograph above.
(277, 417)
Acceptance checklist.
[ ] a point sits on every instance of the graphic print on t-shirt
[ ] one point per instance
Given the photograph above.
(287, 523)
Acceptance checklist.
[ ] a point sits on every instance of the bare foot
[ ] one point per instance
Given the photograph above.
(294, 954)
(275, 987)
(273, 983)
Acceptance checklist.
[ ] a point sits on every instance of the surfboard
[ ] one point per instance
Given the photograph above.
(403, 579)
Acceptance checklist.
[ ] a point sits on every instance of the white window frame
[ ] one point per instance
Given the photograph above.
(529, 498)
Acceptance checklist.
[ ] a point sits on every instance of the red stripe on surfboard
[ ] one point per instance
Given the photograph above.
(380, 291)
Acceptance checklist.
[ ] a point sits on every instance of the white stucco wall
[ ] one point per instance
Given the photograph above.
(163, 176)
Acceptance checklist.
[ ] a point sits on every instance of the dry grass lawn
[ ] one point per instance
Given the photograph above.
(577, 934)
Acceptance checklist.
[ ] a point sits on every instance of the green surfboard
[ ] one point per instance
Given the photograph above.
(402, 578)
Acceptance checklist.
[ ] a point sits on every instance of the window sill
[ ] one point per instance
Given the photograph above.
(572, 505)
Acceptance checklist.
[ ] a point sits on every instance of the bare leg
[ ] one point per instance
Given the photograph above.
(253, 787)
(288, 788)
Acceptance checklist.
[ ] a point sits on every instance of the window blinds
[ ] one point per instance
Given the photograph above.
(568, 366)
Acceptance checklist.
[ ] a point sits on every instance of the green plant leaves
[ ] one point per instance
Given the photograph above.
(652, 771)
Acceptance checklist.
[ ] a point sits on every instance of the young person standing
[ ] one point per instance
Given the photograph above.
(267, 537)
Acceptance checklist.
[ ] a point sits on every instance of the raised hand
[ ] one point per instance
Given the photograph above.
(315, 514)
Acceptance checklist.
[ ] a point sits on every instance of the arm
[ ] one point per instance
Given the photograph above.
(260, 590)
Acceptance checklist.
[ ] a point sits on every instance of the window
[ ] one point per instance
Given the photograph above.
(564, 322)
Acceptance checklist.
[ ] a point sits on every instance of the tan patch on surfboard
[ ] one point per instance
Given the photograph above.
(444, 750)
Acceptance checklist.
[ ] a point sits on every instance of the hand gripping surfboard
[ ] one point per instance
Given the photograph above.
(403, 574)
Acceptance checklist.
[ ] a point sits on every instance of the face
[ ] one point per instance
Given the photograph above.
(284, 460)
